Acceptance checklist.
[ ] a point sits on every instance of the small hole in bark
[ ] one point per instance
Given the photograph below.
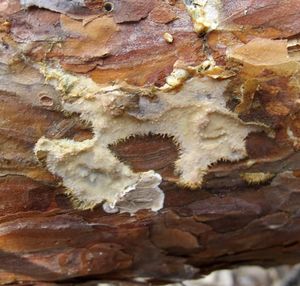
(108, 7)
(46, 100)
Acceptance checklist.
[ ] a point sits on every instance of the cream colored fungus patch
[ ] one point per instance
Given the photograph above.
(195, 116)
(204, 14)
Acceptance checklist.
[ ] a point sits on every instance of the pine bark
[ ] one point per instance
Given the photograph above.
(230, 220)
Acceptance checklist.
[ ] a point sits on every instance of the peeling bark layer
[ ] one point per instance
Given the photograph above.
(243, 210)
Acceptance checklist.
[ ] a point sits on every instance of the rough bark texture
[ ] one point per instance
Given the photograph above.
(245, 212)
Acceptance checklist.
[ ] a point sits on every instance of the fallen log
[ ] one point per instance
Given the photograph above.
(147, 141)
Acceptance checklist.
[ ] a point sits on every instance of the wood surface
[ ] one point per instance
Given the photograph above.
(226, 222)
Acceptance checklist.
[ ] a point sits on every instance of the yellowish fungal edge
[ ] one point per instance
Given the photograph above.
(256, 178)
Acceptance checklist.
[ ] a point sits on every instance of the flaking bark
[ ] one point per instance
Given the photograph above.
(245, 211)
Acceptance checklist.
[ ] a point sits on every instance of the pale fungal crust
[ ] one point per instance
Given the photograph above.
(54, 5)
(195, 116)
(204, 14)
(256, 178)
(175, 79)
(293, 138)
(207, 68)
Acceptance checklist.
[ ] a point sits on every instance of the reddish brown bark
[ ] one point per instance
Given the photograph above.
(227, 222)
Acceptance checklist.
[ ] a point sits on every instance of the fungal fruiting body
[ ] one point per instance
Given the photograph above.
(207, 68)
(204, 14)
(175, 79)
(168, 38)
(195, 116)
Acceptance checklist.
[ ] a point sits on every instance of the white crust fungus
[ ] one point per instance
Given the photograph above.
(195, 116)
